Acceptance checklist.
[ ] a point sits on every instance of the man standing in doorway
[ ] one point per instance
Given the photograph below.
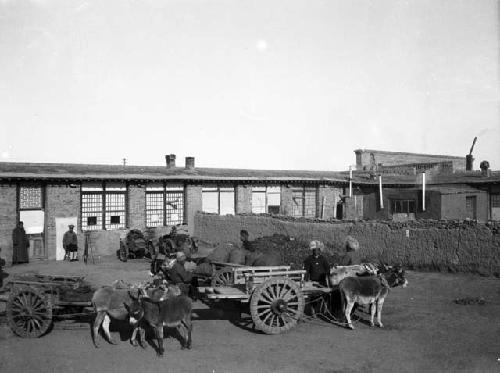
(21, 243)
(70, 244)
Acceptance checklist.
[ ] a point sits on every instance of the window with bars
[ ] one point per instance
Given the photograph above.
(218, 200)
(30, 198)
(164, 205)
(103, 206)
(31, 213)
(266, 199)
(495, 206)
(403, 206)
(304, 202)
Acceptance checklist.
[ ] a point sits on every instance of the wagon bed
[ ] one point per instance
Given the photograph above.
(34, 300)
(275, 294)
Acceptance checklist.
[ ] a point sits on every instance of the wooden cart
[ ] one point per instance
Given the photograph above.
(276, 295)
(35, 300)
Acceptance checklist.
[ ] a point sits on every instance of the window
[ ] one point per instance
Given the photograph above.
(164, 205)
(495, 207)
(304, 202)
(30, 197)
(218, 200)
(103, 206)
(266, 199)
(403, 206)
(31, 212)
(471, 207)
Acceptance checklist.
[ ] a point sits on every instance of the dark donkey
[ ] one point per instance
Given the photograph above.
(172, 312)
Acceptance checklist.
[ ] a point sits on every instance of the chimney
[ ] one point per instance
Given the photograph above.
(189, 163)
(469, 162)
(485, 168)
(170, 159)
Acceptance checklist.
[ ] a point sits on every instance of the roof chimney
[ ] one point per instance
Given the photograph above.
(170, 159)
(469, 162)
(189, 163)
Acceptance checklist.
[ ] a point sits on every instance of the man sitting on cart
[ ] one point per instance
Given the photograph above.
(178, 275)
(316, 265)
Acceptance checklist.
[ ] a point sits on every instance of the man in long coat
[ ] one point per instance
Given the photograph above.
(21, 243)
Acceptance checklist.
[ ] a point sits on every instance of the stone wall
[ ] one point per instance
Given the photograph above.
(426, 244)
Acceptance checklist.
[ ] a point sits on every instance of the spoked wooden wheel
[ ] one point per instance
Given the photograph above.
(222, 277)
(29, 312)
(277, 305)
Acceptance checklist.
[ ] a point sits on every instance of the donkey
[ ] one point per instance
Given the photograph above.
(370, 290)
(110, 303)
(172, 312)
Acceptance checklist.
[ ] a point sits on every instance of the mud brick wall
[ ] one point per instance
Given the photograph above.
(426, 245)
(8, 219)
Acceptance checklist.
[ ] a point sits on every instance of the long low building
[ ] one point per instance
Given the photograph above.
(108, 200)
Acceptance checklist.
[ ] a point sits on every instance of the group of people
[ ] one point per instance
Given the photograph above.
(317, 266)
(21, 244)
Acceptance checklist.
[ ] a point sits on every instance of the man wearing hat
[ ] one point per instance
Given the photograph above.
(70, 244)
(316, 266)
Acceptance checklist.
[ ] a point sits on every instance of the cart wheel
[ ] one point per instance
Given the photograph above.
(29, 312)
(277, 305)
(222, 277)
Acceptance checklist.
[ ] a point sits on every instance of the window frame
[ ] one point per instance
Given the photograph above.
(266, 192)
(104, 189)
(218, 189)
(403, 202)
(165, 190)
(304, 190)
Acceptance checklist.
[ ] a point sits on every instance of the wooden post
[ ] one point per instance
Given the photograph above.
(423, 191)
(380, 191)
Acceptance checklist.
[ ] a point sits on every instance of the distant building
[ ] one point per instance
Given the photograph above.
(369, 159)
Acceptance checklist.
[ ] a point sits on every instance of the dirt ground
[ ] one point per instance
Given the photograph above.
(425, 331)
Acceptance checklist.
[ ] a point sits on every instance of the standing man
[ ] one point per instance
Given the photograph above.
(70, 244)
(316, 266)
(21, 243)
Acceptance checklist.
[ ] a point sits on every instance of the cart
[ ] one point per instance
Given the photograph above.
(275, 295)
(34, 301)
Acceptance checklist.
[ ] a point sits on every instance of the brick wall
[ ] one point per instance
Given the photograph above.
(286, 200)
(136, 207)
(243, 199)
(61, 201)
(193, 204)
(454, 205)
(8, 217)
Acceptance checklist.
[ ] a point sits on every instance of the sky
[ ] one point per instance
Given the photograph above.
(262, 84)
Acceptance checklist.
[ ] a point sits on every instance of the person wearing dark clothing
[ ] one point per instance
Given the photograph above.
(21, 243)
(245, 243)
(2, 264)
(70, 244)
(316, 266)
(182, 278)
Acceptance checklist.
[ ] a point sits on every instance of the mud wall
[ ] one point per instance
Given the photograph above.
(422, 244)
